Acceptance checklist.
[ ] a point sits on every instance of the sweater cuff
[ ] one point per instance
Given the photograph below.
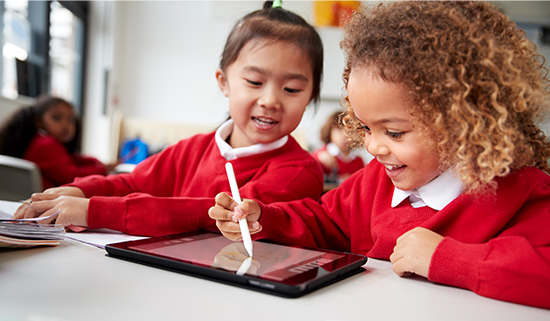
(107, 212)
(268, 231)
(457, 264)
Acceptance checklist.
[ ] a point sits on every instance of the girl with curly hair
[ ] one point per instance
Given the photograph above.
(47, 134)
(446, 96)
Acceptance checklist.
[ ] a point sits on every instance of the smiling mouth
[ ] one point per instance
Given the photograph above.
(264, 121)
(392, 168)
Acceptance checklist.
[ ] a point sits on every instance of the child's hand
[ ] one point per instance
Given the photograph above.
(413, 252)
(72, 210)
(227, 215)
(110, 168)
(55, 192)
(49, 194)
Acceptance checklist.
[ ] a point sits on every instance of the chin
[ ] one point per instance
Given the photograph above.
(401, 186)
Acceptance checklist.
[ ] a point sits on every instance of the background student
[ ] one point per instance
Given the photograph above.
(336, 158)
(459, 190)
(46, 133)
(270, 70)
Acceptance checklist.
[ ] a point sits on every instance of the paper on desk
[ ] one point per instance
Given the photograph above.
(98, 238)
(101, 237)
(26, 232)
(7, 208)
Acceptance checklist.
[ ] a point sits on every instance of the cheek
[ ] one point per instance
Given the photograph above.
(366, 142)
(294, 116)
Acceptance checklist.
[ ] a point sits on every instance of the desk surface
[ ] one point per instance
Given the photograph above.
(75, 281)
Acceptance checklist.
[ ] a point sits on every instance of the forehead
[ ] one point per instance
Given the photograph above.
(375, 100)
(276, 55)
(60, 109)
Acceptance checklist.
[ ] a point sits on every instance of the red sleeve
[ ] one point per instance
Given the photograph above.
(143, 214)
(57, 164)
(309, 223)
(155, 210)
(155, 176)
(513, 266)
(86, 160)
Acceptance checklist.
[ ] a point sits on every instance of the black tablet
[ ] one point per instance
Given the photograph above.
(288, 271)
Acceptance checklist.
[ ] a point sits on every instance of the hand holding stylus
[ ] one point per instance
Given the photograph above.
(247, 240)
(227, 213)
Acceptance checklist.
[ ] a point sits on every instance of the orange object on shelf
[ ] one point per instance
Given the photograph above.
(333, 13)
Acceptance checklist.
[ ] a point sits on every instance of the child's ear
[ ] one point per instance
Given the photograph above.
(222, 82)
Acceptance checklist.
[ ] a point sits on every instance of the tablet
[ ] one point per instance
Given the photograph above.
(288, 271)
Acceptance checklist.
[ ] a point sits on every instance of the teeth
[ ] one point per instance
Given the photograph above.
(264, 121)
(393, 167)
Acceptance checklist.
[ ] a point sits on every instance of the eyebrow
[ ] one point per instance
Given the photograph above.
(390, 120)
(385, 120)
(267, 73)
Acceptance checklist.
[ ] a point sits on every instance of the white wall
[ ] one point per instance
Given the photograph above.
(162, 56)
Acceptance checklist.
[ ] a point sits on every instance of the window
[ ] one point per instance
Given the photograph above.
(43, 49)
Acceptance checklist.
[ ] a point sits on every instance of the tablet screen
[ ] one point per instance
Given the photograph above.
(272, 262)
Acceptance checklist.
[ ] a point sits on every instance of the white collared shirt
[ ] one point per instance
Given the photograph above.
(230, 153)
(335, 151)
(436, 194)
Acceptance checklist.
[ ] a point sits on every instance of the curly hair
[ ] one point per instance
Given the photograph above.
(475, 84)
(18, 130)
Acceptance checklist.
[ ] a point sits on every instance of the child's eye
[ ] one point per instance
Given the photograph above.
(292, 91)
(395, 135)
(364, 127)
(254, 83)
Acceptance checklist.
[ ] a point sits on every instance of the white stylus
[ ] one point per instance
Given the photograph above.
(247, 240)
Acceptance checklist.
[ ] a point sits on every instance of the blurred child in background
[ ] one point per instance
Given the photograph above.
(336, 158)
(46, 133)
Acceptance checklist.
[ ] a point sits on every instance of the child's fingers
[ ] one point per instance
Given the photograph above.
(249, 209)
(230, 230)
(219, 213)
(21, 210)
(225, 201)
(36, 209)
(49, 212)
(37, 197)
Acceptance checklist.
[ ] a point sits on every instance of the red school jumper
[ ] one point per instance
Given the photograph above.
(171, 192)
(56, 164)
(497, 245)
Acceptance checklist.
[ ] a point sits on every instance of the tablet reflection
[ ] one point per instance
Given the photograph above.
(234, 257)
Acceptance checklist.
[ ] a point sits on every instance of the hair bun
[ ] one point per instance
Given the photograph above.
(268, 4)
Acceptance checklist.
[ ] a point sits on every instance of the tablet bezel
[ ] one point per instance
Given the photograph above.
(351, 264)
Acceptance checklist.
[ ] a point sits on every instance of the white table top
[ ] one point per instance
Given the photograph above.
(76, 281)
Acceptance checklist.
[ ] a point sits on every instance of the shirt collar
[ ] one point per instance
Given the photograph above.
(436, 194)
(335, 151)
(230, 153)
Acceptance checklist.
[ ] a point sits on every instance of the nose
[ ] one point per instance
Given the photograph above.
(375, 145)
(270, 98)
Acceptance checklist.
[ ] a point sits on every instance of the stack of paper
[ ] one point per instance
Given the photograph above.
(28, 232)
